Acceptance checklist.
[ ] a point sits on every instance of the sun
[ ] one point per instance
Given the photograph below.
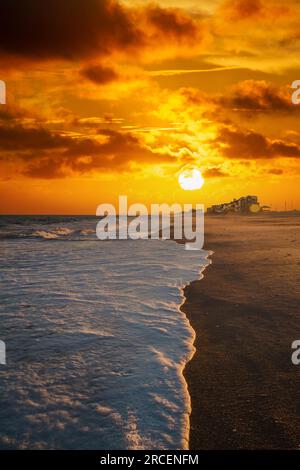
(191, 179)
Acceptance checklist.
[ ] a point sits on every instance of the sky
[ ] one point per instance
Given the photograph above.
(109, 98)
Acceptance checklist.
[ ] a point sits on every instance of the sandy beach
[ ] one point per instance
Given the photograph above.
(245, 312)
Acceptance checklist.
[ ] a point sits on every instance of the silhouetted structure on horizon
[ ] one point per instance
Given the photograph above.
(243, 205)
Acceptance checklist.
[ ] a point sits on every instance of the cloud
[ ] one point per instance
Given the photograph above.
(45, 168)
(256, 34)
(248, 144)
(214, 172)
(275, 171)
(10, 113)
(18, 138)
(99, 74)
(80, 30)
(258, 95)
(42, 153)
(251, 96)
(64, 29)
(253, 10)
(173, 22)
(243, 9)
(75, 30)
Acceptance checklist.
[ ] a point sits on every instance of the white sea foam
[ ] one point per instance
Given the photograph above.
(96, 344)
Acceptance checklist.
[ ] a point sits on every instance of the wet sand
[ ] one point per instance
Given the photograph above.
(246, 314)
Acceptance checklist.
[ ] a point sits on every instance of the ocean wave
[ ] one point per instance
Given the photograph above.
(52, 234)
(96, 352)
(109, 316)
(43, 233)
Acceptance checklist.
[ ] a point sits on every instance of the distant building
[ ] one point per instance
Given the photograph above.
(243, 205)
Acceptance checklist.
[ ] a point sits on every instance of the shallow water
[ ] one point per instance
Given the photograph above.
(95, 338)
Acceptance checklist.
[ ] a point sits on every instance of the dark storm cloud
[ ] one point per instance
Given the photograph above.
(65, 29)
(81, 29)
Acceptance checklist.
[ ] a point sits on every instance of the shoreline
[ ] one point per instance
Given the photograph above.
(188, 403)
(242, 385)
(186, 436)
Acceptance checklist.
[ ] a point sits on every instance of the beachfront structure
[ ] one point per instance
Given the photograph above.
(243, 205)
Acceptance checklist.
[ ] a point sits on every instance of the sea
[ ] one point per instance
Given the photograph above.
(95, 338)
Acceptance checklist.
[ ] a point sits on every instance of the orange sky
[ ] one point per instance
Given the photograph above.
(107, 98)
